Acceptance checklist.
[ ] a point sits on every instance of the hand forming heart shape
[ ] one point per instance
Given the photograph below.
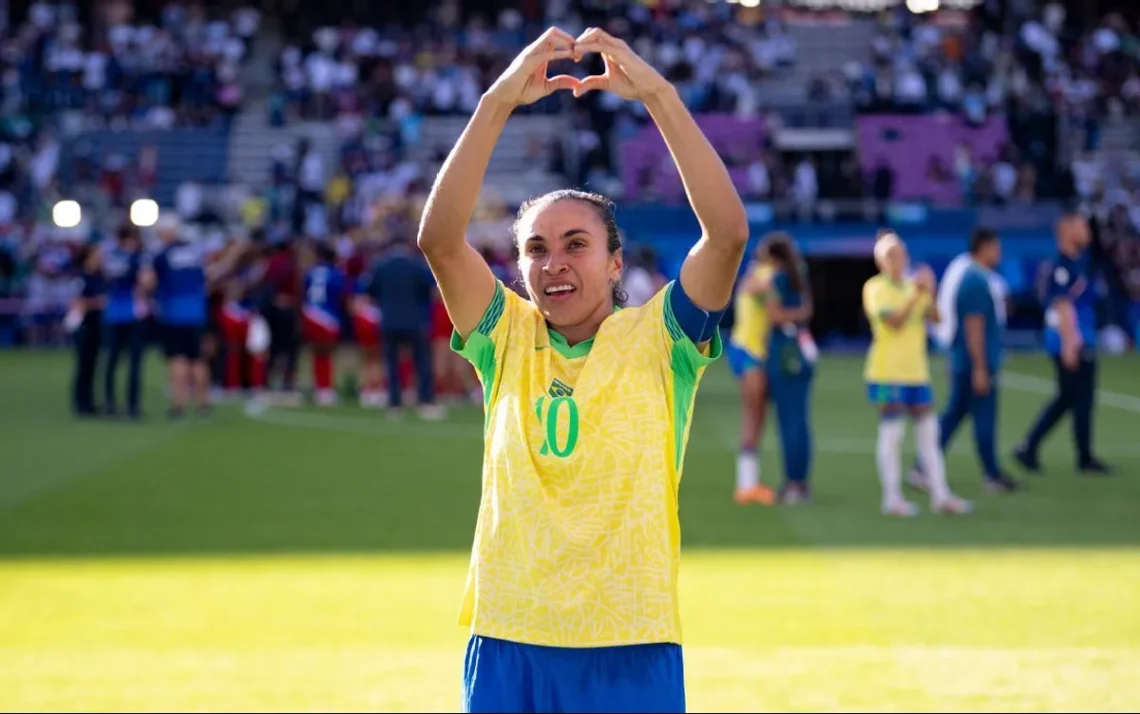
(626, 74)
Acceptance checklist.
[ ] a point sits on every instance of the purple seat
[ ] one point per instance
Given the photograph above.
(911, 144)
(647, 165)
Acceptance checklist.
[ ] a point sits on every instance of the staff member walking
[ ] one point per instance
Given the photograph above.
(971, 304)
(1070, 339)
(88, 308)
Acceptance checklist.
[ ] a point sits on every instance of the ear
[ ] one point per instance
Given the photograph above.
(617, 264)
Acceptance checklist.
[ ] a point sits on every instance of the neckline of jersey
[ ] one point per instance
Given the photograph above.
(560, 344)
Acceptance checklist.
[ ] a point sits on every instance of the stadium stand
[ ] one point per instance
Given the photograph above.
(252, 121)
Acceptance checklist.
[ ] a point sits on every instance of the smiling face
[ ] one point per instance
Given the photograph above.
(569, 258)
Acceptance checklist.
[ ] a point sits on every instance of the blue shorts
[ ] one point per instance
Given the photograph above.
(502, 676)
(903, 395)
(740, 360)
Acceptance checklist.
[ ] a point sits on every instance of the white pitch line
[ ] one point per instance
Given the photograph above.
(1037, 385)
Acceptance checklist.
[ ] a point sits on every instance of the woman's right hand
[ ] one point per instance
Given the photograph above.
(525, 81)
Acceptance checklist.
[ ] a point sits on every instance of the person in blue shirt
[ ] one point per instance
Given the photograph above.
(322, 315)
(401, 285)
(1070, 340)
(89, 333)
(791, 363)
(124, 319)
(178, 278)
(975, 360)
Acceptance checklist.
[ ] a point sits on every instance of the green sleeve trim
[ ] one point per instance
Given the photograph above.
(685, 357)
(479, 348)
(671, 325)
(494, 311)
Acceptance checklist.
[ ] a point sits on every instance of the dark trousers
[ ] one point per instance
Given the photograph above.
(284, 345)
(417, 341)
(1076, 389)
(131, 337)
(791, 394)
(981, 409)
(88, 340)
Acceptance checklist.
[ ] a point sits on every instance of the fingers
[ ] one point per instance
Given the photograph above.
(562, 81)
(595, 39)
(598, 82)
(549, 56)
(555, 38)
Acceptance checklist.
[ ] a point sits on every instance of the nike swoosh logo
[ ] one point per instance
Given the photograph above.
(540, 347)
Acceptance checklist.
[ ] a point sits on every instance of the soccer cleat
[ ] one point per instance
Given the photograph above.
(432, 412)
(1027, 460)
(1094, 467)
(1002, 484)
(918, 480)
(792, 494)
(952, 505)
(758, 494)
(902, 509)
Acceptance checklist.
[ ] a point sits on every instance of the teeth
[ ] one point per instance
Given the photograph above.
(559, 289)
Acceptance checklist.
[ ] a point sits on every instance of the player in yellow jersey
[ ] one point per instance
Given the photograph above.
(898, 375)
(571, 595)
(745, 352)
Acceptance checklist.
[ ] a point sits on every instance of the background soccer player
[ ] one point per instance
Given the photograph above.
(1070, 340)
(572, 593)
(178, 277)
(791, 363)
(746, 352)
(898, 376)
(321, 317)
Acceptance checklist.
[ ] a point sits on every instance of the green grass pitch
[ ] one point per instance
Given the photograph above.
(312, 560)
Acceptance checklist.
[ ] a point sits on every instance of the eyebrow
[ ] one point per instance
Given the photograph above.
(566, 234)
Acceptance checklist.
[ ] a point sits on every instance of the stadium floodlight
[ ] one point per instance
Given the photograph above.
(144, 212)
(750, 3)
(66, 214)
(921, 6)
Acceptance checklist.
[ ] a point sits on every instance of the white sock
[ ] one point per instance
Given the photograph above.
(926, 438)
(888, 454)
(747, 471)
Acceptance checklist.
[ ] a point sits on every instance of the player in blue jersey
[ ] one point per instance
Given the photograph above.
(1070, 340)
(321, 319)
(124, 319)
(178, 277)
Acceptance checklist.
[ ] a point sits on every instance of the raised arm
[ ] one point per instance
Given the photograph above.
(710, 269)
(465, 281)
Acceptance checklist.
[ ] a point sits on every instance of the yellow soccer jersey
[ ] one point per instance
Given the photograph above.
(751, 325)
(897, 356)
(578, 541)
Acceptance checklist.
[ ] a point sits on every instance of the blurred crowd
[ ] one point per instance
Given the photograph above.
(182, 69)
(1050, 77)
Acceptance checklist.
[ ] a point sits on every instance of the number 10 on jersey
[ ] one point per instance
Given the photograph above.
(550, 414)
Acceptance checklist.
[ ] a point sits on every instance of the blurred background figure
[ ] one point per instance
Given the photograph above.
(402, 288)
(125, 319)
(177, 278)
(86, 319)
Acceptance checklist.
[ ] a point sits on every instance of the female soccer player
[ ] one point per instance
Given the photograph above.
(746, 350)
(572, 592)
(898, 375)
(791, 362)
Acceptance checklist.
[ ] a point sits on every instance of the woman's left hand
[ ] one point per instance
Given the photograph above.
(626, 74)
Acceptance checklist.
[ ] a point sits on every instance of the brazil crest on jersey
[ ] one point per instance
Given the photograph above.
(578, 541)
